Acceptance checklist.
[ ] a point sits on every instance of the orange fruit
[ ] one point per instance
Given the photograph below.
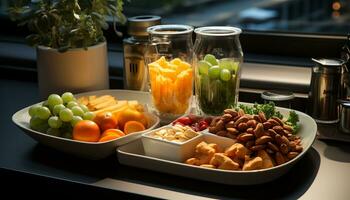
(113, 132)
(130, 114)
(86, 130)
(133, 126)
(106, 120)
(108, 138)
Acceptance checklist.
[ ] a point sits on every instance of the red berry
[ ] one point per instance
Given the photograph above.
(184, 120)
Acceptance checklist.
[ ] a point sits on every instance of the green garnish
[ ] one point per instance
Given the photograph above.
(293, 120)
(269, 110)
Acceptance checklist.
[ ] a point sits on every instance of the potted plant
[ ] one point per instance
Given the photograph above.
(68, 36)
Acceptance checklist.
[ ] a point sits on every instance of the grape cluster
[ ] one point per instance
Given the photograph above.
(58, 115)
(216, 83)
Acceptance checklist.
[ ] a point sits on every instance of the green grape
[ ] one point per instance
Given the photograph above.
(75, 120)
(77, 111)
(67, 97)
(88, 115)
(211, 59)
(58, 108)
(226, 63)
(225, 75)
(214, 72)
(84, 107)
(54, 122)
(33, 110)
(46, 104)
(38, 124)
(54, 132)
(66, 115)
(203, 67)
(43, 112)
(54, 99)
(71, 104)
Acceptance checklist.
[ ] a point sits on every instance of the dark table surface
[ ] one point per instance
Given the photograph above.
(323, 173)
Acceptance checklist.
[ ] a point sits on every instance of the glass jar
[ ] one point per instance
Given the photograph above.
(217, 62)
(134, 49)
(169, 60)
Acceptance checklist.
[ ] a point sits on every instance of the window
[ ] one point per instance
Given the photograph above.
(295, 16)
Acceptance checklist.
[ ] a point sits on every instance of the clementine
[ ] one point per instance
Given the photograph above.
(86, 130)
(106, 120)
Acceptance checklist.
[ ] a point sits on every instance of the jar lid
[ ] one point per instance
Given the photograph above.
(273, 95)
(138, 25)
(344, 103)
(328, 62)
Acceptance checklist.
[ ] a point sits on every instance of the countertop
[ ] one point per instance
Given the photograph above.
(323, 173)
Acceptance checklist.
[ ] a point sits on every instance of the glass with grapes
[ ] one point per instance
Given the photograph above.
(217, 61)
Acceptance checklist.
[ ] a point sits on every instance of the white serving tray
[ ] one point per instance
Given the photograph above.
(132, 154)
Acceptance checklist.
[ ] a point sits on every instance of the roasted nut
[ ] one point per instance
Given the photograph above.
(272, 146)
(240, 120)
(272, 133)
(259, 130)
(250, 130)
(285, 140)
(232, 112)
(262, 117)
(269, 151)
(288, 128)
(233, 131)
(242, 127)
(287, 133)
(278, 139)
(284, 148)
(258, 147)
(230, 124)
(230, 135)
(273, 122)
(299, 148)
(249, 144)
(222, 133)
(244, 137)
(226, 117)
(213, 129)
(278, 120)
(292, 154)
(279, 158)
(220, 125)
(267, 125)
(278, 129)
(214, 121)
(263, 139)
(292, 145)
(257, 118)
(252, 123)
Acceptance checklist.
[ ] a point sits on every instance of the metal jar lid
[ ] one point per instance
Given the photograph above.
(137, 26)
(328, 65)
(277, 95)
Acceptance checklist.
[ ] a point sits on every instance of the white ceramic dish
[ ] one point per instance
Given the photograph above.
(133, 154)
(168, 150)
(89, 150)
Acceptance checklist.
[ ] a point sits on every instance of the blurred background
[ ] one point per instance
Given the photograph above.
(296, 16)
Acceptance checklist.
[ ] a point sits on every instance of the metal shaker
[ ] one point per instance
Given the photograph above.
(135, 70)
(325, 90)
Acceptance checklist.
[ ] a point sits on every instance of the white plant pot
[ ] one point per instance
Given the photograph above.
(76, 70)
